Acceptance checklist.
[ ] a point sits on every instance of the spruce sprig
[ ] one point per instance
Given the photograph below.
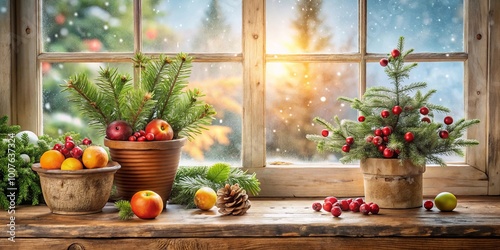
(124, 209)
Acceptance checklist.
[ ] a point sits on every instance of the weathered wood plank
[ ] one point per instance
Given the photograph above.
(473, 217)
(256, 243)
(494, 101)
(5, 60)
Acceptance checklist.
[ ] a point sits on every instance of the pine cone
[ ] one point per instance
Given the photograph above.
(232, 200)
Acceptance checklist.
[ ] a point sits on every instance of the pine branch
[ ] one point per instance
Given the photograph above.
(124, 209)
(112, 84)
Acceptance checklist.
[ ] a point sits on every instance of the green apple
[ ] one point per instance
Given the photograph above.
(445, 201)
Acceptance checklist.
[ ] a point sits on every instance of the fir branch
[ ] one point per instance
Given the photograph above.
(139, 107)
(112, 84)
(124, 209)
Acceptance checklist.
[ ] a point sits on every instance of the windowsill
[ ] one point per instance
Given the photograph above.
(269, 222)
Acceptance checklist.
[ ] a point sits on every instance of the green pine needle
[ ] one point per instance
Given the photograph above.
(124, 209)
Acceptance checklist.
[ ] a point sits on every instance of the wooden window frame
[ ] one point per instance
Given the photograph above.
(478, 176)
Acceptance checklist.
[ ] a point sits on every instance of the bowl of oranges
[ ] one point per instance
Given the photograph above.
(76, 185)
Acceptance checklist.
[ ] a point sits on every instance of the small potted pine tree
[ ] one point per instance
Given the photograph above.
(395, 135)
(146, 121)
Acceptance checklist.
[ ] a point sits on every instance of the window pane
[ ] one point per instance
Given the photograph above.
(446, 78)
(194, 26)
(221, 82)
(428, 26)
(315, 26)
(295, 94)
(81, 26)
(59, 116)
(222, 85)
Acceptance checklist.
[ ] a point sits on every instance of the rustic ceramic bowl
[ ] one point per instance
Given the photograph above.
(83, 191)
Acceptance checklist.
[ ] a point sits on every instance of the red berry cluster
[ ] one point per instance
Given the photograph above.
(394, 54)
(70, 148)
(335, 206)
(141, 135)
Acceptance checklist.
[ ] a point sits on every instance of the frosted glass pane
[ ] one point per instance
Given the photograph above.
(87, 26)
(329, 26)
(295, 94)
(428, 26)
(192, 26)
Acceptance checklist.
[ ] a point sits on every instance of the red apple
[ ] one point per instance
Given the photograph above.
(160, 129)
(118, 130)
(146, 204)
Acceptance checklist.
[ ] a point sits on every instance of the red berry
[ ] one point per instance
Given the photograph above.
(384, 113)
(86, 141)
(384, 62)
(330, 199)
(316, 206)
(387, 130)
(66, 152)
(374, 208)
(137, 135)
(397, 110)
(361, 118)
(409, 137)
(377, 140)
(325, 132)
(354, 206)
(141, 138)
(346, 148)
(388, 153)
(378, 132)
(327, 206)
(344, 205)
(336, 211)
(359, 200)
(349, 200)
(369, 138)
(381, 148)
(76, 152)
(444, 134)
(57, 146)
(68, 138)
(448, 120)
(426, 119)
(150, 136)
(424, 110)
(349, 140)
(428, 204)
(69, 145)
(395, 53)
(142, 132)
(365, 209)
(132, 138)
(385, 138)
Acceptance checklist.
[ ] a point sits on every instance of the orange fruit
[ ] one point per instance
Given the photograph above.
(71, 164)
(51, 159)
(205, 198)
(95, 157)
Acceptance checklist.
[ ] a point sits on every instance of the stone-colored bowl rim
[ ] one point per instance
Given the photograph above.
(149, 145)
(111, 167)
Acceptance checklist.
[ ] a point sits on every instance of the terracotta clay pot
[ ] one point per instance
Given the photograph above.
(392, 185)
(83, 191)
(150, 165)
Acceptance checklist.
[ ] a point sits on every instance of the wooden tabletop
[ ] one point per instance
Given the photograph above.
(474, 218)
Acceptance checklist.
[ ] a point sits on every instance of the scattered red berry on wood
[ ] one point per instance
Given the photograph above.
(354, 206)
(316, 206)
(365, 209)
(336, 211)
(327, 206)
(424, 110)
(409, 137)
(384, 62)
(397, 110)
(444, 134)
(346, 148)
(374, 208)
(344, 205)
(142, 132)
(349, 140)
(395, 53)
(428, 204)
(359, 200)
(361, 118)
(141, 138)
(137, 135)
(384, 113)
(330, 199)
(448, 120)
(325, 132)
